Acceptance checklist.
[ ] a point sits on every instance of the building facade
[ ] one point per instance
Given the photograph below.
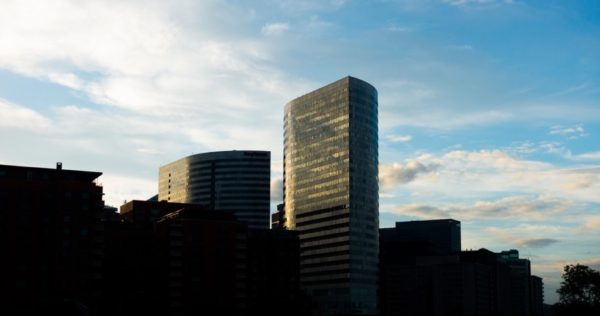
(50, 236)
(423, 272)
(536, 296)
(232, 181)
(331, 193)
(520, 281)
(441, 235)
(203, 255)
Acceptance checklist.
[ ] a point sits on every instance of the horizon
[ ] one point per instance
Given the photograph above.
(489, 110)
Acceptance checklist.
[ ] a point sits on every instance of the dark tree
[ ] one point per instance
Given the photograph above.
(579, 291)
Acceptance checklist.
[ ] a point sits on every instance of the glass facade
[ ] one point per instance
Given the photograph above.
(233, 181)
(331, 193)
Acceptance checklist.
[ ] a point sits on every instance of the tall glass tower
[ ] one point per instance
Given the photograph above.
(331, 193)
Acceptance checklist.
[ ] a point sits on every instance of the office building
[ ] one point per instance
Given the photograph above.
(232, 181)
(520, 281)
(536, 296)
(423, 272)
(331, 193)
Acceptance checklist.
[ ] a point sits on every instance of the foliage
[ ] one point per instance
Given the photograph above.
(579, 291)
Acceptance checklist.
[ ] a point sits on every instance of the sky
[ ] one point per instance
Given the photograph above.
(489, 110)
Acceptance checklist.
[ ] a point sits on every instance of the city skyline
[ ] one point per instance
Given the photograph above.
(488, 109)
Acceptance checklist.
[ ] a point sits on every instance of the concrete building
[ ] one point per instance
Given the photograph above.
(331, 193)
(231, 181)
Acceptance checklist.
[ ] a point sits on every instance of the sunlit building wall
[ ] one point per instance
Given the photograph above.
(331, 193)
(236, 181)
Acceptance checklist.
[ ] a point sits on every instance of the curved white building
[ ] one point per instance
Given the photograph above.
(237, 181)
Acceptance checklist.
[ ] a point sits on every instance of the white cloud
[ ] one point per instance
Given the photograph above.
(511, 207)
(277, 166)
(591, 156)
(400, 29)
(399, 138)
(464, 47)
(66, 79)
(174, 78)
(145, 57)
(277, 190)
(591, 224)
(126, 188)
(20, 117)
(275, 28)
(394, 174)
(471, 174)
(571, 132)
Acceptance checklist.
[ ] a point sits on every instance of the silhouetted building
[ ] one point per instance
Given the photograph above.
(148, 211)
(49, 232)
(536, 296)
(520, 281)
(486, 285)
(231, 181)
(273, 271)
(423, 272)
(441, 236)
(134, 262)
(204, 260)
(278, 218)
(331, 193)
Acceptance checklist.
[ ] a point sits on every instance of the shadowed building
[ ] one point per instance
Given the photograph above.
(331, 193)
(183, 259)
(441, 235)
(50, 238)
(423, 272)
(278, 218)
(536, 295)
(203, 256)
(520, 281)
(231, 181)
(273, 273)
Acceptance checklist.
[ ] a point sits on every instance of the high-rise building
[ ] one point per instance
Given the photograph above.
(331, 193)
(520, 281)
(233, 181)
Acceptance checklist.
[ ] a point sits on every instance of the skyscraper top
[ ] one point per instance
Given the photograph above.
(333, 85)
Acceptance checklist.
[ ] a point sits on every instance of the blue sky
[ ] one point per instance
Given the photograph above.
(489, 110)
